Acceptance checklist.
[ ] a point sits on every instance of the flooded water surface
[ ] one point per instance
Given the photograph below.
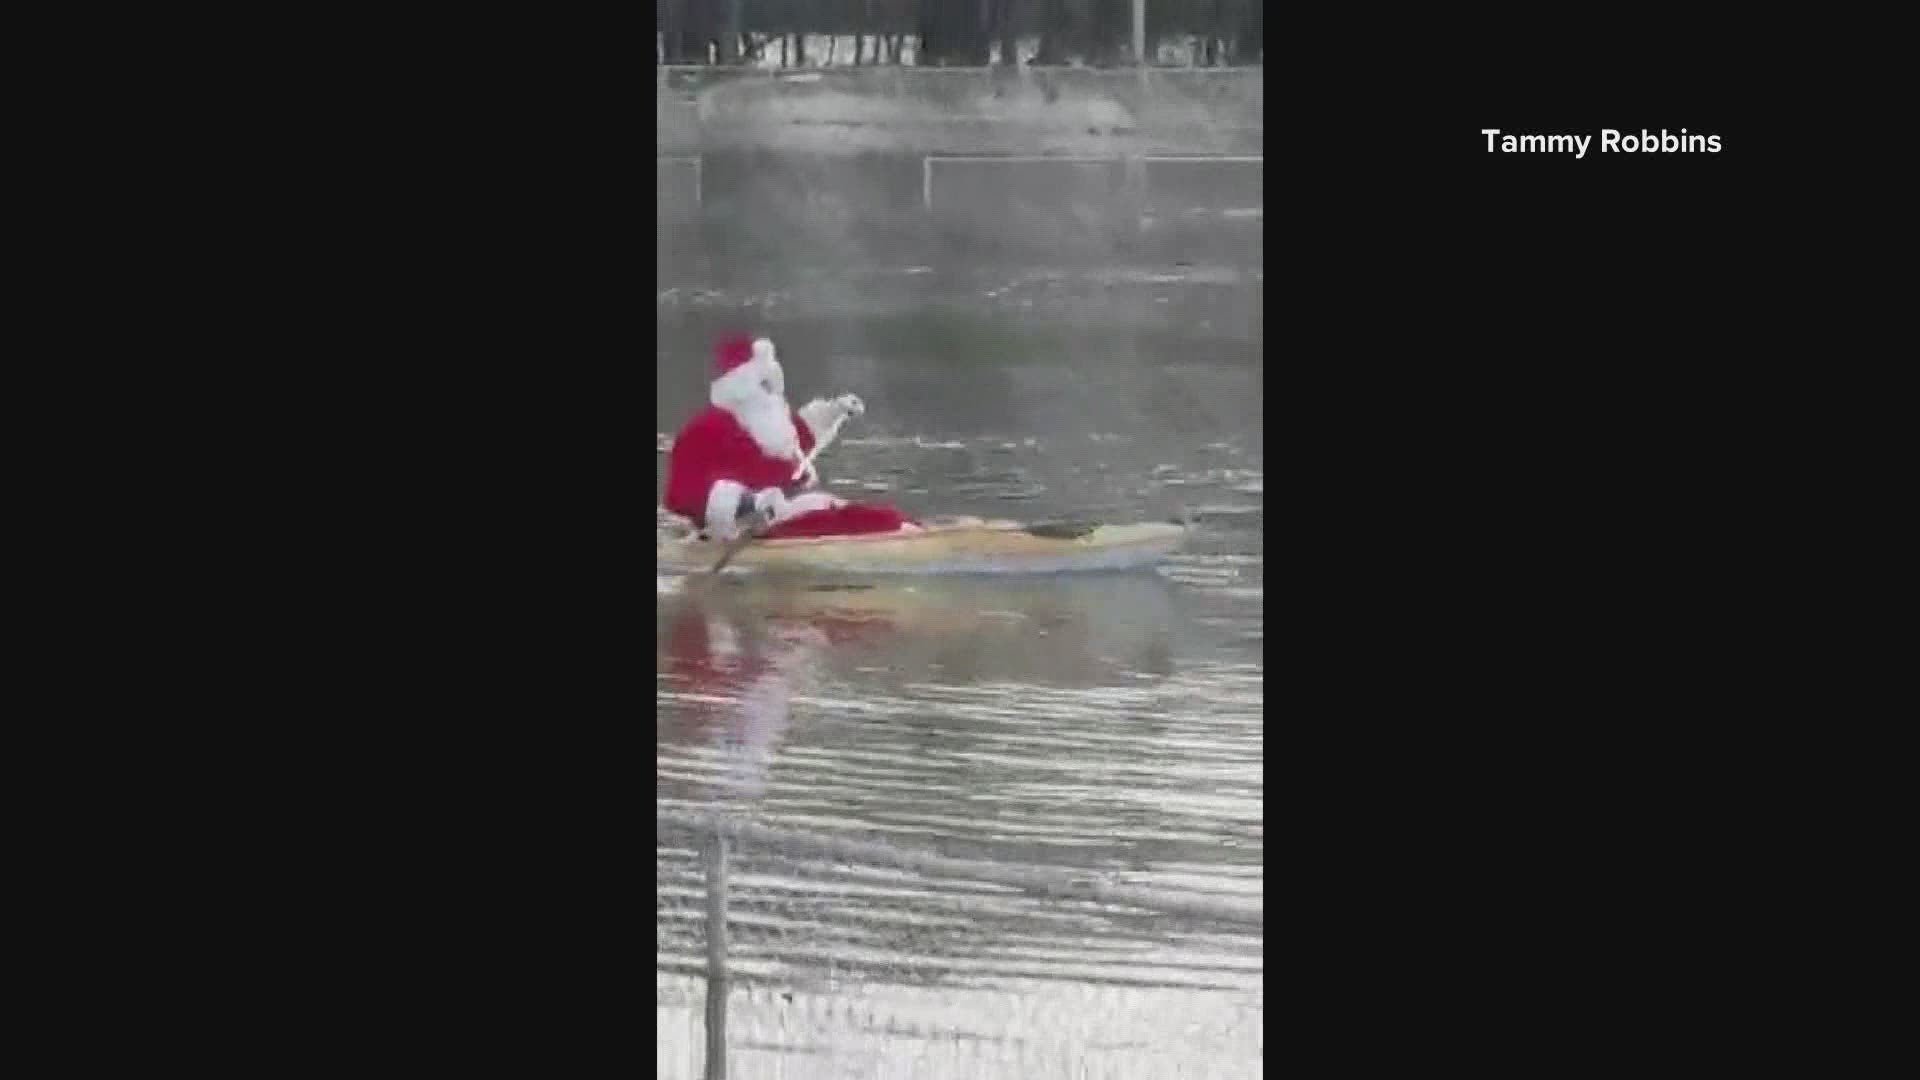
(979, 826)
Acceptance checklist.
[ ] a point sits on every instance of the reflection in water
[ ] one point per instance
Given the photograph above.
(1102, 730)
(739, 679)
(1047, 726)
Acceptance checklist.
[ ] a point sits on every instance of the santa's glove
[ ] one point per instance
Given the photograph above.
(768, 505)
(808, 479)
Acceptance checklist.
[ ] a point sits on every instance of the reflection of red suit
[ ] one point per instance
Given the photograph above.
(696, 656)
(693, 657)
(705, 655)
(754, 680)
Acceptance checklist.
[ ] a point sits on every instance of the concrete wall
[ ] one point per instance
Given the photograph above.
(962, 110)
(1054, 163)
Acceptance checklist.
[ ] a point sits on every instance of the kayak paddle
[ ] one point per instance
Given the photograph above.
(748, 536)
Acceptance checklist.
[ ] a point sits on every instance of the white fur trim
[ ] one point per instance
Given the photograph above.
(723, 507)
(771, 502)
(808, 503)
(742, 383)
(722, 642)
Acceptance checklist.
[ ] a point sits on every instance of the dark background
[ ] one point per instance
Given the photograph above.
(1529, 410)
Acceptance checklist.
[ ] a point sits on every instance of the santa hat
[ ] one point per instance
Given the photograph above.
(742, 364)
(749, 384)
(737, 349)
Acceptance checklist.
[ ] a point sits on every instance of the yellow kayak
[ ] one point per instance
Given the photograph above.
(956, 545)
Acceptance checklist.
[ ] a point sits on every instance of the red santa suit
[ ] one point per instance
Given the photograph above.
(744, 448)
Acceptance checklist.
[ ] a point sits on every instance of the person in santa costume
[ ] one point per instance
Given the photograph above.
(744, 456)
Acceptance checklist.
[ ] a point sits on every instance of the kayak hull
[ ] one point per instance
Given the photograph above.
(947, 546)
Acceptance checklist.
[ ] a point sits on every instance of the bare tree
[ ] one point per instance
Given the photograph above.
(686, 27)
(730, 37)
(965, 32)
(953, 33)
(1056, 28)
(1000, 21)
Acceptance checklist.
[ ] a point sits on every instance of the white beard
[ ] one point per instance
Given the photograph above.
(765, 415)
(768, 419)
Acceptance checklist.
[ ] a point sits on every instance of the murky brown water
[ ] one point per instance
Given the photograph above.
(1100, 728)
